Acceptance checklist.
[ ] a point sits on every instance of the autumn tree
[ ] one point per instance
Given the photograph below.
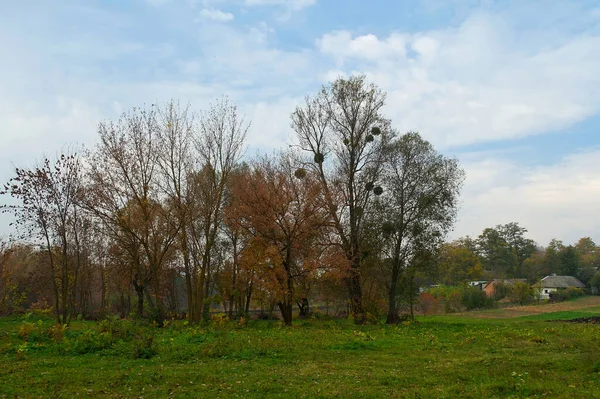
(219, 145)
(47, 212)
(7, 284)
(237, 282)
(418, 206)
(123, 193)
(520, 292)
(280, 207)
(458, 264)
(345, 134)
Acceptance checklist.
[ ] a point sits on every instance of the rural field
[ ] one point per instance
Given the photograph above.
(512, 352)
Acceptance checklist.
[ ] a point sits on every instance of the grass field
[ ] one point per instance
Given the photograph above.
(500, 353)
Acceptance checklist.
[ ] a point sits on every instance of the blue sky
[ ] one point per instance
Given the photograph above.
(511, 88)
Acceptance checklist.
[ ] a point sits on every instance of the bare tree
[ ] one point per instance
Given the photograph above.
(176, 160)
(345, 134)
(48, 212)
(123, 193)
(219, 143)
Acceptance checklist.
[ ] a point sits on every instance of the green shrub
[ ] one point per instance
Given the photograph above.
(474, 298)
(143, 347)
(573, 292)
(501, 291)
(453, 302)
(520, 292)
(91, 341)
(566, 294)
(33, 332)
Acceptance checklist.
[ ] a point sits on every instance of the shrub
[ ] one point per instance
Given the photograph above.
(453, 302)
(573, 292)
(57, 332)
(91, 341)
(474, 298)
(143, 347)
(33, 332)
(569, 293)
(500, 291)
(520, 292)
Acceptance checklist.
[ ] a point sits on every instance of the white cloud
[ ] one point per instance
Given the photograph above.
(478, 82)
(216, 15)
(341, 45)
(553, 201)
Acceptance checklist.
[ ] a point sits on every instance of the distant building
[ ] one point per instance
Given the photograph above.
(490, 288)
(550, 284)
(478, 284)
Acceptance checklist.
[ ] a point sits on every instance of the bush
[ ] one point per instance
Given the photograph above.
(457, 299)
(143, 347)
(33, 332)
(453, 302)
(91, 341)
(573, 292)
(474, 298)
(520, 292)
(569, 293)
(501, 291)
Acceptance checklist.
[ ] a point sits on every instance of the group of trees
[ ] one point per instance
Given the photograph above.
(505, 252)
(165, 215)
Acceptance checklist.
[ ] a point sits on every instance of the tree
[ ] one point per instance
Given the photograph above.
(345, 134)
(418, 205)
(175, 161)
(595, 283)
(494, 251)
(124, 194)
(589, 258)
(505, 248)
(48, 211)
(220, 146)
(520, 247)
(569, 259)
(520, 292)
(281, 210)
(458, 264)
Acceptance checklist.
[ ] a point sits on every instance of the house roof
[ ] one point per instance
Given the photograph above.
(561, 282)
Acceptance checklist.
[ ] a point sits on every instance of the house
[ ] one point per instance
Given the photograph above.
(478, 284)
(554, 283)
(490, 288)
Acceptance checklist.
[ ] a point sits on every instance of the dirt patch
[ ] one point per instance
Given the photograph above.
(531, 310)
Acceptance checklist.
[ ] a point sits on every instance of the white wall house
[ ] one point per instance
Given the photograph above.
(554, 283)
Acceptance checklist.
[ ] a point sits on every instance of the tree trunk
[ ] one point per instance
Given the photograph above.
(248, 296)
(392, 316)
(286, 311)
(304, 307)
(139, 290)
(355, 291)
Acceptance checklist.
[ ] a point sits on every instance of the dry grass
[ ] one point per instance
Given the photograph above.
(589, 303)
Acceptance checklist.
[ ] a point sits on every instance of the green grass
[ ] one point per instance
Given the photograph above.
(437, 357)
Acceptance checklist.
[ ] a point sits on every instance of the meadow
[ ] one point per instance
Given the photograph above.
(501, 353)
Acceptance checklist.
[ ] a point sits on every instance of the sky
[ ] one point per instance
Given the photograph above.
(509, 88)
